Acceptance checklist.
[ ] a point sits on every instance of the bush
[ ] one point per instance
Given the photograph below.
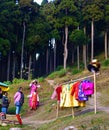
(59, 68)
(11, 110)
(7, 82)
(55, 74)
(16, 81)
(106, 62)
(61, 73)
(41, 79)
(76, 71)
(52, 75)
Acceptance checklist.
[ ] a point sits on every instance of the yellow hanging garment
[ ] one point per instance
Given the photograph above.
(67, 100)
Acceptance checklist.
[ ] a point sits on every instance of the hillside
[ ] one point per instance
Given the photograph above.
(45, 117)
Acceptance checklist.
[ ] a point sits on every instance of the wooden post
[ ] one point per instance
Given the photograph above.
(95, 92)
(57, 113)
(72, 112)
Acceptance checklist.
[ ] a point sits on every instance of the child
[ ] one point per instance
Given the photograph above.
(5, 103)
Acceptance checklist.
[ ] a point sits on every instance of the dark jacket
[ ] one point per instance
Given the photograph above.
(5, 101)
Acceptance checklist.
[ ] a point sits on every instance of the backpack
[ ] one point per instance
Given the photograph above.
(21, 99)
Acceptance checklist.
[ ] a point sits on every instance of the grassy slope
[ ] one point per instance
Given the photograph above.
(47, 110)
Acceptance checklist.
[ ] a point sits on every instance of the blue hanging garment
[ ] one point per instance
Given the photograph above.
(81, 95)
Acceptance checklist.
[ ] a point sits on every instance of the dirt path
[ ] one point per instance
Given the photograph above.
(36, 123)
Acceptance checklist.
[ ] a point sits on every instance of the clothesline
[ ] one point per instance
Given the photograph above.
(78, 79)
(94, 75)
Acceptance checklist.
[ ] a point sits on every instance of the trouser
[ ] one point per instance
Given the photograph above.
(18, 108)
(4, 109)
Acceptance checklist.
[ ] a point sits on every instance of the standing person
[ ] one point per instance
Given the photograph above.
(1, 94)
(33, 100)
(33, 88)
(18, 101)
(5, 103)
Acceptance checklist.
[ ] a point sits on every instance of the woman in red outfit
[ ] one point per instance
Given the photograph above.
(33, 97)
(33, 87)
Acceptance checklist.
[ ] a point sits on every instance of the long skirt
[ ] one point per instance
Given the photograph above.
(30, 101)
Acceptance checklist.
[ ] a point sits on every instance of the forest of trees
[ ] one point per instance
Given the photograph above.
(36, 39)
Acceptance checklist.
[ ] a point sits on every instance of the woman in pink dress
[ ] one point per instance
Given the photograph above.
(33, 87)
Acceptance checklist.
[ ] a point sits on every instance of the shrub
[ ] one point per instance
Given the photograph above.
(11, 110)
(55, 74)
(75, 71)
(52, 75)
(41, 79)
(7, 82)
(59, 68)
(15, 80)
(106, 62)
(61, 73)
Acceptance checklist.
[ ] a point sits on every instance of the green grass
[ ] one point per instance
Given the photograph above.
(24, 127)
(88, 121)
(58, 74)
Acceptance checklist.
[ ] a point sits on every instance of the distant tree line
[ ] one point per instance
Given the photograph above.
(36, 39)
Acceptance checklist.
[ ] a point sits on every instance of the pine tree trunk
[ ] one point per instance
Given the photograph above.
(84, 56)
(84, 52)
(47, 61)
(92, 39)
(29, 67)
(65, 47)
(108, 44)
(14, 63)
(21, 66)
(78, 64)
(105, 40)
(73, 55)
(54, 56)
(8, 66)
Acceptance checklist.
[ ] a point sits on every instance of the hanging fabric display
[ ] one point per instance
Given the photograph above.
(68, 100)
(73, 94)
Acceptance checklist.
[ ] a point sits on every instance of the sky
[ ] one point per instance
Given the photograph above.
(38, 1)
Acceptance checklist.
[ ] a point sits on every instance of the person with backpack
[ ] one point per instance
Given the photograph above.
(18, 101)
